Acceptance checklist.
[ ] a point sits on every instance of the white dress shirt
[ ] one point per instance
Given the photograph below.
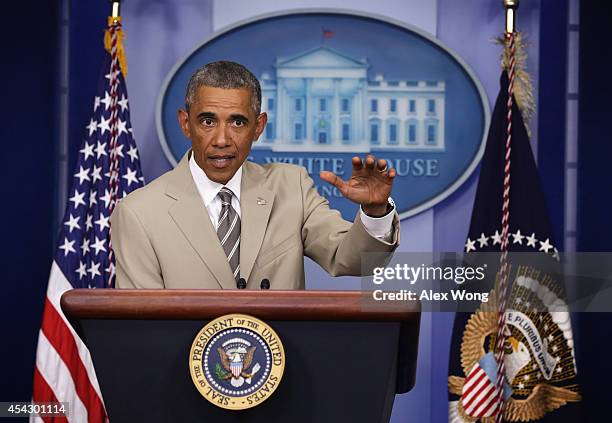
(378, 227)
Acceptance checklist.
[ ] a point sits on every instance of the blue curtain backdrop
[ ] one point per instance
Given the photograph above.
(595, 195)
(28, 113)
(30, 162)
(29, 167)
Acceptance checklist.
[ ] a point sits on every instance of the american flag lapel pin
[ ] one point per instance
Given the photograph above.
(261, 201)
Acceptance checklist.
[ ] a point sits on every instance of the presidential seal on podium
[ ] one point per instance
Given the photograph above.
(236, 361)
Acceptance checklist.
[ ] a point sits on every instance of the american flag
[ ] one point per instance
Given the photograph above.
(327, 33)
(108, 168)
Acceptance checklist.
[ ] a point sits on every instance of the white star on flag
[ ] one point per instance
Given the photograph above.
(518, 238)
(130, 176)
(87, 150)
(96, 103)
(470, 245)
(95, 173)
(92, 198)
(107, 198)
(67, 246)
(556, 255)
(545, 246)
(77, 198)
(106, 100)
(531, 240)
(82, 270)
(123, 103)
(102, 222)
(483, 240)
(82, 174)
(73, 223)
(99, 245)
(109, 75)
(121, 127)
(133, 153)
(93, 269)
(100, 150)
(88, 224)
(119, 150)
(92, 128)
(85, 246)
(496, 237)
(104, 125)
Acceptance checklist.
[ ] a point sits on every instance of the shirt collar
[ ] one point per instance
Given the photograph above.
(209, 189)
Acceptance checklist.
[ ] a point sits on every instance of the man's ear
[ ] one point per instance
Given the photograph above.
(262, 119)
(183, 118)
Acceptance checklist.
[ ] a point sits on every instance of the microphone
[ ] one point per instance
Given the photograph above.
(265, 284)
(241, 284)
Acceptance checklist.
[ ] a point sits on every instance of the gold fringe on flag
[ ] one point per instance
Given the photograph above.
(120, 49)
(523, 87)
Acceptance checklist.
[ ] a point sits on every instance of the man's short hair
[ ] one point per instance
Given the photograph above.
(224, 74)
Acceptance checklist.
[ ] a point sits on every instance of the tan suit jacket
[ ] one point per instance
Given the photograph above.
(163, 237)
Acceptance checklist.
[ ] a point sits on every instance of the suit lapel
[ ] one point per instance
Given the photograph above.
(255, 206)
(193, 220)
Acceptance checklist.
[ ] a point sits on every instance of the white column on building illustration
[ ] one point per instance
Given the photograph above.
(441, 121)
(420, 120)
(365, 111)
(336, 113)
(308, 108)
(281, 134)
(357, 116)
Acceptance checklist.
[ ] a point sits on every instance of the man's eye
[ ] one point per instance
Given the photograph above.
(208, 122)
(238, 123)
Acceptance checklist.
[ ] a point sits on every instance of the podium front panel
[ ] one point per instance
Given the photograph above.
(334, 372)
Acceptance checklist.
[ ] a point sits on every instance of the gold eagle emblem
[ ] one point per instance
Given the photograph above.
(535, 392)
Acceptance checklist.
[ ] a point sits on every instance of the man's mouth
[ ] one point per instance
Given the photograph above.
(221, 161)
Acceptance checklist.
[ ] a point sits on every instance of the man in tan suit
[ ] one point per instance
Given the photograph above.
(219, 221)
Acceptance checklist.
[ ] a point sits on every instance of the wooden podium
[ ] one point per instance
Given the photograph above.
(346, 355)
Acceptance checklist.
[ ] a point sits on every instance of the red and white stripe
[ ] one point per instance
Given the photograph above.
(236, 369)
(479, 397)
(64, 371)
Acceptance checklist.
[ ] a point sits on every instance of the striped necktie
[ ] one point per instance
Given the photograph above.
(228, 231)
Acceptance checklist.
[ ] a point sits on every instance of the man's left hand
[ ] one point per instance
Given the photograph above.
(370, 184)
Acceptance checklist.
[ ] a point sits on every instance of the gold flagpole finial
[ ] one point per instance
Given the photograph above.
(510, 6)
(114, 30)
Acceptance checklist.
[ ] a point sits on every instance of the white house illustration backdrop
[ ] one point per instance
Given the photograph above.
(322, 100)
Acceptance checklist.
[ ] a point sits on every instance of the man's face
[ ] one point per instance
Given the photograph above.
(221, 125)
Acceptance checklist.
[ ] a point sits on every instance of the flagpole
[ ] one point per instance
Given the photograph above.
(503, 288)
(114, 28)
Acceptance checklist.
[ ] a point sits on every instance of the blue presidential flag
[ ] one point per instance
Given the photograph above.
(539, 367)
